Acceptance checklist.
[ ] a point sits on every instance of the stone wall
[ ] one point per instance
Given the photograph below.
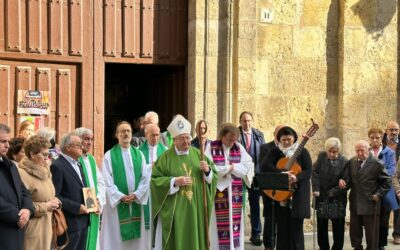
(333, 61)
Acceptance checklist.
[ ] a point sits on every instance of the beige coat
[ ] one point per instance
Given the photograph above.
(37, 180)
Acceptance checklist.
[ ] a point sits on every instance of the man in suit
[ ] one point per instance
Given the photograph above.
(15, 201)
(268, 202)
(252, 139)
(369, 182)
(68, 180)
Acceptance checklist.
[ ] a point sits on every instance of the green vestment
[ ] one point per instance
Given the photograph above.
(182, 213)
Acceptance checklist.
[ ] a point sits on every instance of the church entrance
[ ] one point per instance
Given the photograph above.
(133, 89)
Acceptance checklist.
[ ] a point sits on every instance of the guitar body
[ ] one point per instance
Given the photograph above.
(283, 195)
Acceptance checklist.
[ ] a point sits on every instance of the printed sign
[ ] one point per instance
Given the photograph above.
(33, 102)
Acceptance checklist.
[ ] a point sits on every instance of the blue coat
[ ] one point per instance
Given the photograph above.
(388, 159)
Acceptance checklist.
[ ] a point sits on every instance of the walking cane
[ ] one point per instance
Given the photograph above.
(377, 203)
(200, 134)
(313, 223)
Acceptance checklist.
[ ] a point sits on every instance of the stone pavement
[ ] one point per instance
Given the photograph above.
(309, 243)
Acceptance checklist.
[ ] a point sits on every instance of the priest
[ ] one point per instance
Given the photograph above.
(125, 224)
(182, 192)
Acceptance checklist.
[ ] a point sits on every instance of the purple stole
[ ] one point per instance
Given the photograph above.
(222, 199)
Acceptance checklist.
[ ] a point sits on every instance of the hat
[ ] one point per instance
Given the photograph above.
(179, 126)
(286, 130)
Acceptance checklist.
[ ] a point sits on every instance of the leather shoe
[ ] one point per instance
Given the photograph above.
(396, 240)
(256, 241)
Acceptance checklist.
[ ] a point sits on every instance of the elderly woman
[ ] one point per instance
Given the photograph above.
(327, 170)
(26, 129)
(387, 157)
(35, 174)
(50, 135)
(15, 152)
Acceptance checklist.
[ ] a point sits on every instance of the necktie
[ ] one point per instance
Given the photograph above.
(82, 175)
(359, 164)
(248, 142)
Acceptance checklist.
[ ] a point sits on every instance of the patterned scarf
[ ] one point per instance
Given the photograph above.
(222, 199)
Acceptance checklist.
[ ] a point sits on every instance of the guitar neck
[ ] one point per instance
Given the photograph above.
(300, 148)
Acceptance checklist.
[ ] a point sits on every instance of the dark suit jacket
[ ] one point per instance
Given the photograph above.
(13, 198)
(256, 141)
(371, 179)
(264, 150)
(68, 188)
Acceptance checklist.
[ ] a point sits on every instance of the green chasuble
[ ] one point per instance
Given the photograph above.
(182, 214)
(93, 229)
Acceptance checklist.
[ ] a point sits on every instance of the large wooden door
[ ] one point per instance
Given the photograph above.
(60, 79)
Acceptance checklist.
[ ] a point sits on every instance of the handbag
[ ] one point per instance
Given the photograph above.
(59, 225)
(330, 209)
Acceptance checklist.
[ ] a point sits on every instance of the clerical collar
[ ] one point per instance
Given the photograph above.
(181, 152)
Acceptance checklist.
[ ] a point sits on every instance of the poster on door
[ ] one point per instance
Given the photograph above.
(33, 102)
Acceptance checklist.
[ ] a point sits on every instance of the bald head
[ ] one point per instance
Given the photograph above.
(152, 134)
(151, 117)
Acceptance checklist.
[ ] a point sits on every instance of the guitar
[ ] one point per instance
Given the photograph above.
(290, 164)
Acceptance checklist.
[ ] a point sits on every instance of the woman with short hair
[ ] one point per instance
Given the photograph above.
(327, 170)
(35, 174)
(16, 152)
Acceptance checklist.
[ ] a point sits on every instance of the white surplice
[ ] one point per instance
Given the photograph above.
(110, 235)
(243, 170)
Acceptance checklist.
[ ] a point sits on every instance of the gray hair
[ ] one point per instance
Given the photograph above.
(150, 126)
(46, 132)
(333, 142)
(4, 128)
(82, 131)
(363, 143)
(151, 114)
(66, 141)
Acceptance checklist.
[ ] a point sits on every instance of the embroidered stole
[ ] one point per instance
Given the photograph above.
(222, 199)
(129, 222)
(93, 229)
(145, 150)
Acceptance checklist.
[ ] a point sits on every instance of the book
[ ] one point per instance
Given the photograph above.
(89, 196)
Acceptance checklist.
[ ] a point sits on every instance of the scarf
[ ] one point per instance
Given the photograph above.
(129, 220)
(288, 152)
(93, 229)
(222, 199)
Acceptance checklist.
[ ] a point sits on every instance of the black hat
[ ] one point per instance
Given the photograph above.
(286, 130)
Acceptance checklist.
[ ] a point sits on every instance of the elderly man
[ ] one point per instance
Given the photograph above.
(138, 138)
(182, 183)
(152, 148)
(251, 139)
(369, 182)
(69, 179)
(125, 223)
(235, 168)
(15, 201)
(94, 179)
(391, 139)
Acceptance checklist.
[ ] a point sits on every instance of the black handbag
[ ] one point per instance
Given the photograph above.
(330, 209)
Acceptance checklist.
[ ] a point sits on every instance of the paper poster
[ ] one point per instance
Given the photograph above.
(33, 102)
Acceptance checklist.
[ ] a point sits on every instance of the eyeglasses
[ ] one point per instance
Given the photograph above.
(393, 129)
(88, 139)
(75, 145)
(4, 141)
(125, 131)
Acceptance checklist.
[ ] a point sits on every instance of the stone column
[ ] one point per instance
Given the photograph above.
(368, 67)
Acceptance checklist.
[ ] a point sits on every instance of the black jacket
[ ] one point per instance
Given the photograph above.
(325, 178)
(301, 196)
(68, 188)
(13, 197)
